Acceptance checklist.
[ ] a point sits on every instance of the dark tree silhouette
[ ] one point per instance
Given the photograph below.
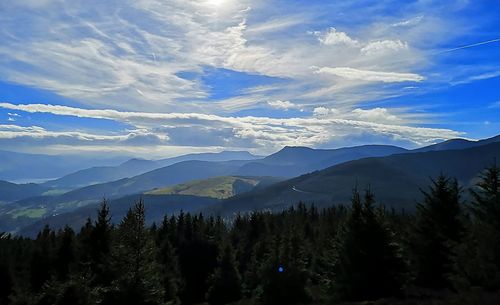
(478, 261)
(138, 280)
(438, 230)
(367, 264)
(225, 282)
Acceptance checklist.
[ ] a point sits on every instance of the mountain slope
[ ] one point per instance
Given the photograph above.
(102, 174)
(170, 175)
(395, 180)
(217, 187)
(30, 167)
(157, 206)
(455, 144)
(134, 167)
(212, 157)
(290, 161)
(186, 197)
(294, 161)
(12, 192)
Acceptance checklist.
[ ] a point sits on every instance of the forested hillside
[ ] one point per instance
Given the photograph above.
(448, 252)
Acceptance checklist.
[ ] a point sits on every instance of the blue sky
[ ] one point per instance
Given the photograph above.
(156, 78)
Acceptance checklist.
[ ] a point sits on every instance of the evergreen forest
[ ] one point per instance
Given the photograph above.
(446, 252)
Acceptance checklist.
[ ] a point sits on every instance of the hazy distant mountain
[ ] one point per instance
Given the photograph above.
(189, 196)
(165, 176)
(395, 180)
(134, 167)
(290, 161)
(12, 192)
(95, 175)
(294, 161)
(29, 167)
(454, 144)
(214, 157)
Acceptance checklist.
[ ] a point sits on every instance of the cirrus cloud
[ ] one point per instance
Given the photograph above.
(371, 76)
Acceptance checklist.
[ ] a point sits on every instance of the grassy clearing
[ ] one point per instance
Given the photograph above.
(218, 187)
(30, 213)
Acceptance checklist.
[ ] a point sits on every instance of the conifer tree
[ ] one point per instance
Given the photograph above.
(65, 256)
(478, 261)
(367, 264)
(225, 282)
(283, 276)
(168, 261)
(96, 239)
(138, 280)
(41, 260)
(438, 231)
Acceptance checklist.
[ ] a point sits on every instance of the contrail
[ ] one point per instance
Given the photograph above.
(471, 45)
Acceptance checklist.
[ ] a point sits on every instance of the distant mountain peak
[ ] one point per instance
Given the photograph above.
(458, 143)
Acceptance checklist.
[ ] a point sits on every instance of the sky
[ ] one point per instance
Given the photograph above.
(158, 78)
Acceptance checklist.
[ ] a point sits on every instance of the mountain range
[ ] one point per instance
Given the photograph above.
(22, 167)
(225, 187)
(396, 180)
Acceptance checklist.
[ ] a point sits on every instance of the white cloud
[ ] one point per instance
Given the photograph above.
(381, 115)
(473, 78)
(36, 132)
(276, 24)
(333, 37)
(255, 133)
(371, 76)
(283, 105)
(12, 116)
(408, 22)
(323, 111)
(383, 47)
(130, 56)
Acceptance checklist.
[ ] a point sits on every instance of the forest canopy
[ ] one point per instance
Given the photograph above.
(446, 253)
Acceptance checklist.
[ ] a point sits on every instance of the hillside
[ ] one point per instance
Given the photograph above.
(158, 178)
(456, 144)
(187, 197)
(22, 167)
(134, 167)
(212, 157)
(217, 187)
(295, 161)
(157, 206)
(102, 174)
(289, 162)
(395, 180)
(12, 192)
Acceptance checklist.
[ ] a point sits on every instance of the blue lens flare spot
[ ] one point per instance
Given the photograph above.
(280, 269)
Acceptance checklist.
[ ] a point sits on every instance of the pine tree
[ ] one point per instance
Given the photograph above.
(65, 256)
(169, 261)
(225, 282)
(41, 268)
(438, 231)
(95, 247)
(138, 280)
(478, 261)
(283, 275)
(367, 263)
